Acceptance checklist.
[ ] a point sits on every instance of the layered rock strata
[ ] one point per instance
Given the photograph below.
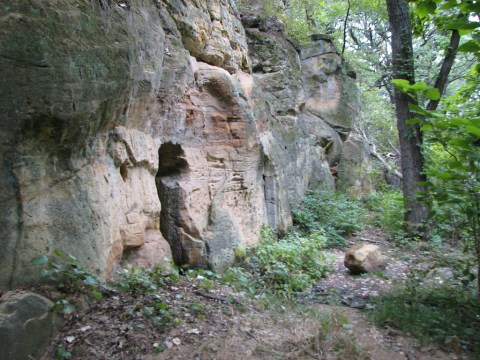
(147, 129)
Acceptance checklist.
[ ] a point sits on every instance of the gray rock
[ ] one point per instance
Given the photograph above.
(364, 258)
(27, 323)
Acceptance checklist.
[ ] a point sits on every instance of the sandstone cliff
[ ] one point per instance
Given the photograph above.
(143, 129)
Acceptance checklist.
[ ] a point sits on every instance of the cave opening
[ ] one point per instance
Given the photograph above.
(171, 160)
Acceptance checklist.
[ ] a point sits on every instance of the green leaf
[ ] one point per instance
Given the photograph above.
(401, 83)
(470, 25)
(97, 294)
(470, 7)
(473, 130)
(448, 5)
(443, 175)
(432, 93)
(425, 8)
(461, 23)
(464, 32)
(414, 121)
(58, 253)
(417, 109)
(40, 260)
(419, 86)
(470, 46)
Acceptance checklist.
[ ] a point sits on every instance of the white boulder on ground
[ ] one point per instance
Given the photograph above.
(364, 258)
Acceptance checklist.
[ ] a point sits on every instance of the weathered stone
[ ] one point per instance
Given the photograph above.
(26, 324)
(364, 258)
(155, 251)
(120, 126)
(354, 166)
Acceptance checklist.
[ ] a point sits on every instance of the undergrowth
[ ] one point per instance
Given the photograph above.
(449, 315)
(386, 212)
(288, 265)
(335, 214)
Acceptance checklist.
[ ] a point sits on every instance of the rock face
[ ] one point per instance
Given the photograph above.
(364, 258)
(354, 167)
(127, 131)
(26, 324)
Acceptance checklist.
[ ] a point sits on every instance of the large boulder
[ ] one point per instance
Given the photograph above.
(364, 258)
(26, 324)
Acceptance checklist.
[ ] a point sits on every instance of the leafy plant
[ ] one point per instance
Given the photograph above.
(287, 265)
(445, 315)
(143, 280)
(387, 211)
(336, 215)
(62, 353)
(68, 276)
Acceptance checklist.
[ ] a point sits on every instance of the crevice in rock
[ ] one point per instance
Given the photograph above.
(171, 165)
(124, 171)
(270, 191)
(270, 200)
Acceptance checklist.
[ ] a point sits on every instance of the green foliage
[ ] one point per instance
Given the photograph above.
(65, 273)
(336, 215)
(453, 165)
(386, 207)
(62, 353)
(287, 265)
(445, 315)
(378, 120)
(143, 280)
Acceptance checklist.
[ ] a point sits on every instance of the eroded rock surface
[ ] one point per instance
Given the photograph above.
(129, 130)
(364, 258)
(26, 323)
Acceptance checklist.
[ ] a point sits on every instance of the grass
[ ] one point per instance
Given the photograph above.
(284, 329)
(448, 315)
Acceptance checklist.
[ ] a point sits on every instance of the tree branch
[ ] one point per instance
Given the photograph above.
(345, 28)
(373, 152)
(447, 64)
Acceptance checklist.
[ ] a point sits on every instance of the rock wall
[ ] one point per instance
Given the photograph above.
(147, 129)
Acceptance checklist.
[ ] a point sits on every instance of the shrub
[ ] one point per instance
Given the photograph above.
(447, 315)
(336, 214)
(68, 276)
(136, 280)
(288, 265)
(387, 211)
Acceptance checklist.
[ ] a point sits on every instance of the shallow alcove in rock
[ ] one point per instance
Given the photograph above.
(172, 165)
(171, 160)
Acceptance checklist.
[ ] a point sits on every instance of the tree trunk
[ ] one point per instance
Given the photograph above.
(410, 136)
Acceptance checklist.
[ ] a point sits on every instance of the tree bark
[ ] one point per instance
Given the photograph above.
(410, 136)
(447, 64)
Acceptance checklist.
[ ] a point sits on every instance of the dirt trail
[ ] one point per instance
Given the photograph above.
(301, 333)
(215, 323)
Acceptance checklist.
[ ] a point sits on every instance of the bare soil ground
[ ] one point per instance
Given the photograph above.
(214, 322)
